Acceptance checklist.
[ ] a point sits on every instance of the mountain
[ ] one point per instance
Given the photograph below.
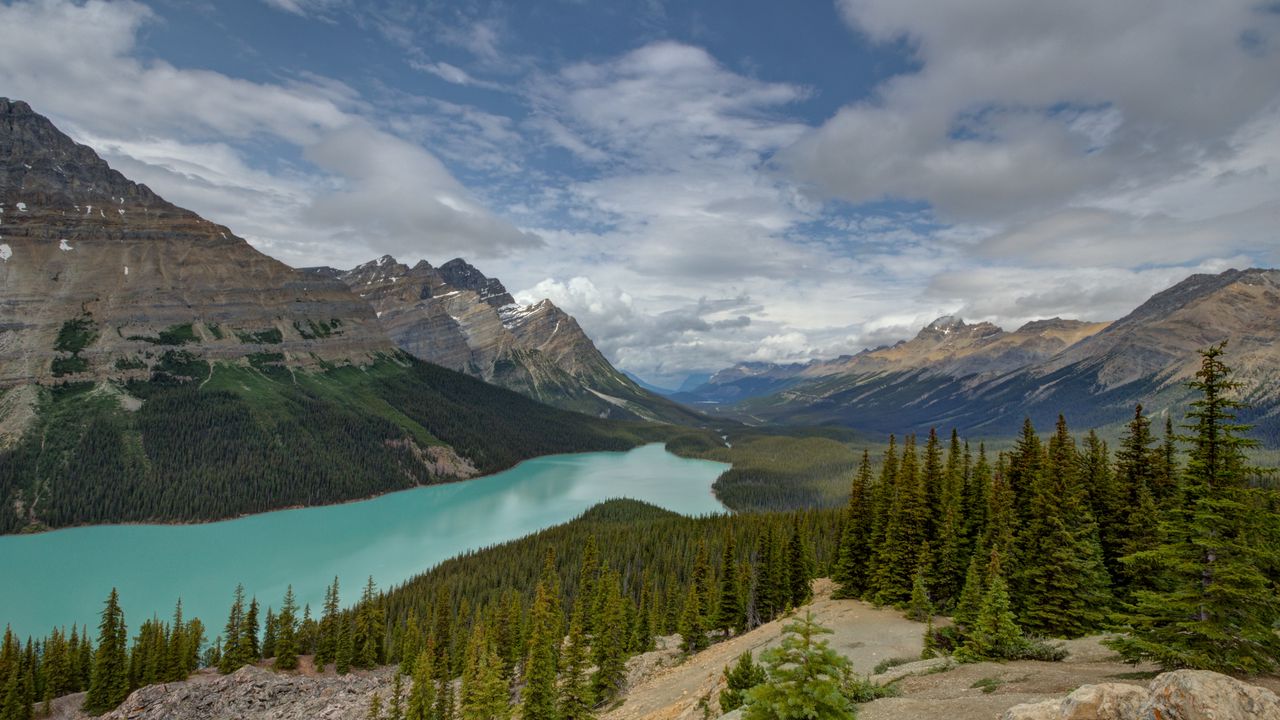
(457, 317)
(743, 381)
(664, 392)
(982, 379)
(155, 367)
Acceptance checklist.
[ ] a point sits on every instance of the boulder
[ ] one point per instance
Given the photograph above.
(1104, 701)
(1204, 695)
(1046, 710)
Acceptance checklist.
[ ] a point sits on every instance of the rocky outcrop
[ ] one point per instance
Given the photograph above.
(1178, 695)
(100, 277)
(457, 317)
(253, 693)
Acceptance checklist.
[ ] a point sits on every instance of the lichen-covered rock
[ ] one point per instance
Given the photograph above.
(1204, 695)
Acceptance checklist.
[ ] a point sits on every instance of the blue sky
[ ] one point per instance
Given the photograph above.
(706, 181)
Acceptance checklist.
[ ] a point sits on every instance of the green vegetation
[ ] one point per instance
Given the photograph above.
(313, 330)
(74, 336)
(214, 441)
(804, 678)
(270, 336)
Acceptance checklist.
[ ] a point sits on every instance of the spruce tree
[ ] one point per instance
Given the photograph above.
(370, 628)
(249, 633)
(895, 562)
(375, 708)
(346, 652)
(693, 632)
(484, 691)
(588, 582)
(1212, 605)
(799, 567)
(730, 614)
(995, 634)
(395, 707)
(609, 647)
(920, 607)
(286, 655)
(576, 697)
(744, 675)
(327, 642)
(109, 684)
(422, 696)
(233, 656)
(539, 695)
(1065, 589)
(269, 634)
(854, 552)
(804, 678)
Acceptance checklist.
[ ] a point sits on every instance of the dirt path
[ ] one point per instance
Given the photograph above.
(866, 635)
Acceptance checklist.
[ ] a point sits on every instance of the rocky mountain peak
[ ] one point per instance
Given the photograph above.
(40, 166)
(464, 276)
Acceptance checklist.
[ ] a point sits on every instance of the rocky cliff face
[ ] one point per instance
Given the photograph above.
(100, 277)
(457, 317)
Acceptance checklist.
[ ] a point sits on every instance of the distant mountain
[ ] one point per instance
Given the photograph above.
(457, 317)
(741, 382)
(155, 367)
(982, 379)
(664, 392)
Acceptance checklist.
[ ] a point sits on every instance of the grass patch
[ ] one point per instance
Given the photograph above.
(272, 336)
(889, 663)
(987, 684)
(75, 335)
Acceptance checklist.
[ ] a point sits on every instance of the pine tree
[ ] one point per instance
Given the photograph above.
(946, 575)
(375, 708)
(370, 628)
(588, 581)
(693, 633)
(730, 615)
(995, 634)
(269, 634)
(286, 655)
(609, 646)
(233, 656)
(854, 552)
(1212, 606)
(484, 691)
(800, 568)
(970, 601)
(422, 696)
(702, 580)
(395, 708)
(576, 697)
(346, 652)
(249, 633)
(920, 608)
(895, 562)
(744, 675)
(804, 678)
(110, 681)
(327, 642)
(539, 696)
(1064, 584)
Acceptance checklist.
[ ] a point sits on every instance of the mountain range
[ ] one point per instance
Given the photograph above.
(154, 366)
(985, 380)
(457, 317)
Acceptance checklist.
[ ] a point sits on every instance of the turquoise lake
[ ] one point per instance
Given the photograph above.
(63, 576)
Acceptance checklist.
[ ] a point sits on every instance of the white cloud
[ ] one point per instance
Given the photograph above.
(188, 134)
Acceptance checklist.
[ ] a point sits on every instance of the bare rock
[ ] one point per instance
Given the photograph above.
(1104, 701)
(1204, 695)
(1046, 710)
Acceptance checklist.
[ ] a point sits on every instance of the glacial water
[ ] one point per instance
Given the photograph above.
(63, 576)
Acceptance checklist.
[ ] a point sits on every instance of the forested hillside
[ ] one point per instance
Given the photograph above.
(216, 440)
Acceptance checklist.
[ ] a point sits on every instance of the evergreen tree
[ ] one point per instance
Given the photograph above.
(609, 647)
(730, 615)
(395, 708)
(233, 656)
(269, 634)
(370, 628)
(249, 633)
(484, 691)
(920, 608)
(346, 652)
(422, 696)
(744, 675)
(702, 580)
(110, 681)
(905, 530)
(576, 697)
(970, 601)
(588, 581)
(804, 678)
(539, 696)
(375, 708)
(286, 655)
(850, 572)
(995, 634)
(693, 633)
(327, 642)
(1064, 583)
(800, 568)
(1212, 606)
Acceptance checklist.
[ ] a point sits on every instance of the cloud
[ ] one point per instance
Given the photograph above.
(190, 133)
(1016, 110)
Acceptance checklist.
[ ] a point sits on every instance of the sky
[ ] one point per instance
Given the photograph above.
(700, 182)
